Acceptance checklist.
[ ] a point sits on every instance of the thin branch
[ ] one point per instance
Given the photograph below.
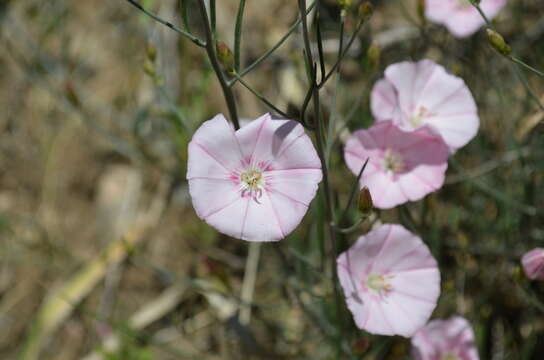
(260, 97)
(273, 48)
(210, 49)
(194, 39)
(238, 35)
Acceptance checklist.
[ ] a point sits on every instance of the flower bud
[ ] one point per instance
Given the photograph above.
(151, 52)
(344, 4)
(533, 264)
(365, 11)
(421, 11)
(149, 68)
(373, 54)
(225, 56)
(365, 204)
(497, 41)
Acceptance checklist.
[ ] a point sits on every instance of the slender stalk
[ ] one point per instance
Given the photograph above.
(210, 49)
(185, 15)
(342, 54)
(238, 35)
(273, 48)
(213, 17)
(260, 97)
(194, 39)
(321, 153)
(526, 66)
(353, 192)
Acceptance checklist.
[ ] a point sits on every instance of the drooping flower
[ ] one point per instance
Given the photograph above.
(460, 17)
(533, 264)
(451, 339)
(390, 280)
(402, 166)
(256, 183)
(415, 94)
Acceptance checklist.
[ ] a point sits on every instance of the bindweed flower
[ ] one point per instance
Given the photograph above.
(390, 280)
(461, 17)
(402, 166)
(415, 94)
(256, 183)
(533, 264)
(451, 339)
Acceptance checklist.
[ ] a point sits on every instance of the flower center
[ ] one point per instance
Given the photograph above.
(417, 118)
(252, 179)
(449, 356)
(378, 283)
(462, 4)
(392, 161)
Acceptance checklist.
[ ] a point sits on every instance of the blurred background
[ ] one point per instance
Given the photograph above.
(102, 255)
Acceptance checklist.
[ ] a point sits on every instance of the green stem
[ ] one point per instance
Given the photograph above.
(210, 49)
(321, 154)
(274, 48)
(238, 35)
(185, 15)
(260, 97)
(194, 39)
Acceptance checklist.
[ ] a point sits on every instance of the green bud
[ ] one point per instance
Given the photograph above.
(344, 4)
(225, 56)
(497, 41)
(365, 204)
(151, 52)
(149, 68)
(365, 11)
(421, 11)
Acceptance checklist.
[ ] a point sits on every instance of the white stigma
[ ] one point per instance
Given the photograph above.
(392, 161)
(378, 283)
(252, 181)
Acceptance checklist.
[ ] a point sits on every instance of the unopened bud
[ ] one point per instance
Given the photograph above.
(361, 346)
(497, 41)
(225, 56)
(344, 4)
(365, 201)
(373, 54)
(151, 52)
(149, 68)
(365, 11)
(421, 11)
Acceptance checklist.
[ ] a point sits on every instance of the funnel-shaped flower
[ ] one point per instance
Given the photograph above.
(423, 93)
(402, 166)
(460, 17)
(256, 183)
(451, 339)
(533, 264)
(391, 281)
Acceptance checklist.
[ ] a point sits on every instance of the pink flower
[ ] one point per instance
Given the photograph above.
(391, 281)
(533, 264)
(423, 93)
(450, 339)
(256, 183)
(460, 17)
(402, 166)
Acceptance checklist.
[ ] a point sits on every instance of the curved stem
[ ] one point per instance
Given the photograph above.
(210, 49)
(194, 39)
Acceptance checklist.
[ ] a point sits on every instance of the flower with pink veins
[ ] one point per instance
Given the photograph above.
(533, 264)
(391, 281)
(415, 94)
(460, 17)
(256, 183)
(402, 166)
(451, 339)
